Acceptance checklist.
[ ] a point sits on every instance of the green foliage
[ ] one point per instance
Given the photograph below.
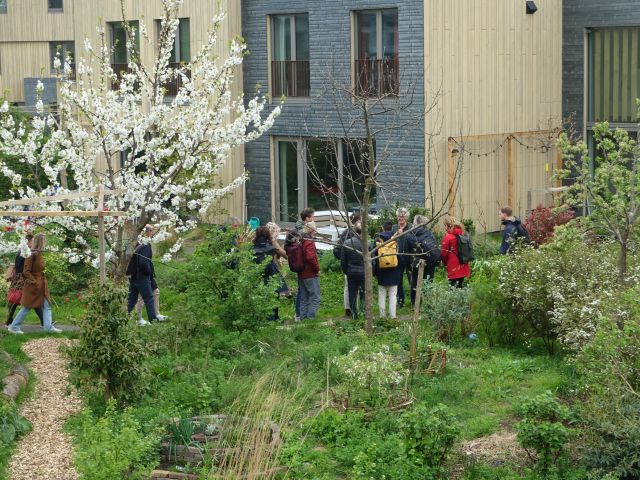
(469, 226)
(225, 282)
(108, 359)
(445, 307)
(388, 212)
(12, 424)
(610, 366)
(542, 430)
(59, 276)
(328, 263)
(114, 446)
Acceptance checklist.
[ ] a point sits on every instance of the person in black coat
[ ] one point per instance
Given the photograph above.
(388, 278)
(263, 249)
(337, 252)
(352, 265)
(140, 272)
(416, 237)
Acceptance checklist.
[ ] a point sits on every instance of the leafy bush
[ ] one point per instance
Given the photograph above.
(388, 212)
(224, 281)
(108, 359)
(329, 263)
(12, 424)
(561, 289)
(114, 446)
(542, 221)
(542, 431)
(445, 307)
(60, 279)
(610, 365)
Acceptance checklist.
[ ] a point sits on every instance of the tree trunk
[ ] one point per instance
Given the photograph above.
(622, 262)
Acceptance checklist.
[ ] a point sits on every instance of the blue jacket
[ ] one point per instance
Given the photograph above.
(144, 265)
(387, 277)
(510, 233)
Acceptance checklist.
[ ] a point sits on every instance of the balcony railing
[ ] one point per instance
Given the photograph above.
(175, 84)
(290, 78)
(119, 69)
(377, 77)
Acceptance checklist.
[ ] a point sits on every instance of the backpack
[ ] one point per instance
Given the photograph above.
(295, 253)
(430, 250)
(388, 255)
(521, 232)
(465, 248)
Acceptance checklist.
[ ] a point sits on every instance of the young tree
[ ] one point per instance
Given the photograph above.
(164, 153)
(607, 187)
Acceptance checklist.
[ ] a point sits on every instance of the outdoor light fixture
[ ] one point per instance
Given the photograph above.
(531, 8)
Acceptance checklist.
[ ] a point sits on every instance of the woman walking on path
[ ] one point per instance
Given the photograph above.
(16, 281)
(456, 271)
(35, 293)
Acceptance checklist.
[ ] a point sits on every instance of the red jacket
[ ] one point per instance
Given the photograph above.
(311, 265)
(450, 255)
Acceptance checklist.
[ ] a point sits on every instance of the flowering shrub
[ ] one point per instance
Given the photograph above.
(562, 289)
(542, 221)
(370, 372)
(445, 307)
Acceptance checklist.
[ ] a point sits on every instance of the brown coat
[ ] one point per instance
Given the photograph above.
(35, 288)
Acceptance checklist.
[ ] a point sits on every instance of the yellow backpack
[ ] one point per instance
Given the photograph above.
(388, 255)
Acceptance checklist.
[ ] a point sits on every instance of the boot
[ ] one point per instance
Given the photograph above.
(347, 313)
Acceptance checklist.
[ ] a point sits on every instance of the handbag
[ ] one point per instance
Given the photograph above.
(14, 295)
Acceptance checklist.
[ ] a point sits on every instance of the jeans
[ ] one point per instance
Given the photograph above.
(309, 291)
(383, 292)
(345, 294)
(46, 317)
(429, 273)
(12, 310)
(298, 296)
(141, 286)
(356, 294)
(457, 282)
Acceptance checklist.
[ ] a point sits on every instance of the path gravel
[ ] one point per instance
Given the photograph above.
(46, 453)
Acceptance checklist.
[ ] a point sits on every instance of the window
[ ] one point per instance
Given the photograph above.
(63, 50)
(3, 6)
(290, 55)
(55, 5)
(180, 54)
(376, 48)
(120, 56)
(614, 74)
(317, 173)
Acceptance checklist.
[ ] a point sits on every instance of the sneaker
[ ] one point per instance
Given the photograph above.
(15, 331)
(162, 318)
(298, 319)
(347, 312)
(143, 323)
(53, 330)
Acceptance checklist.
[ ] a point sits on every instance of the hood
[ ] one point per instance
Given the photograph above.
(456, 231)
(385, 235)
(514, 221)
(299, 225)
(261, 241)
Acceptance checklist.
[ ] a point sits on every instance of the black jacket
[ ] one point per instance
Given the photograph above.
(141, 264)
(263, 249)
(415, 238)
(352, 262)
(345, 235)
(387, 277)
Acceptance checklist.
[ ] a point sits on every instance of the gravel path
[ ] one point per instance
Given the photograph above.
(46, 453)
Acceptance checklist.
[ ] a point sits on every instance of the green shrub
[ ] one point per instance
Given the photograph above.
(60, 279)
(225, 282)
(328, 262)
(108, 360)
(542, 430)
(12, 424)
(114, 446)
(445, 307)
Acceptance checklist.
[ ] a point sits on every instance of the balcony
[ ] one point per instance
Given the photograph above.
(119, 69)
(377, 77)
(174, 85)
(290, 78)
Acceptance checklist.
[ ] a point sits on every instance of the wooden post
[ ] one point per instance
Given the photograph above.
(510, 170)
(452, 177)
(103, 268)
(413, 363)
(558, 165)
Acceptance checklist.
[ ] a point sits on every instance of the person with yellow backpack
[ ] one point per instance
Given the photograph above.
(387, 270)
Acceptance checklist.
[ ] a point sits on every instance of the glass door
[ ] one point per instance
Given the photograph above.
(290, 192)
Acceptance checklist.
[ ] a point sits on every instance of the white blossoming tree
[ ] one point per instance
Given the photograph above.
(163, 154)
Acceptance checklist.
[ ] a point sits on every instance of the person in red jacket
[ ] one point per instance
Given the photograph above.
(456, 271)
(308, 279)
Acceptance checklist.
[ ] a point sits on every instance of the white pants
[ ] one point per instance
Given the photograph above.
(346, 294)
(392, 292)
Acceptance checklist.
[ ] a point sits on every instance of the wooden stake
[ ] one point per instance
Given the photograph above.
(103, 267)
(452, 178)
(416, 317)
(510, 170)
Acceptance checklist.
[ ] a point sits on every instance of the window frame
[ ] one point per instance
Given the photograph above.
(51, 9)
(294, 49)
(53, 51)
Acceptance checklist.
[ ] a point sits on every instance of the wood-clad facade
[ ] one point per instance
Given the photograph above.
(28, 28)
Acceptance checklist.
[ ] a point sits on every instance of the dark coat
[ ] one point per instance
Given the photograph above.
(351, 261)
(263, 249)
(509, 234)
(142, 262)
(414, 238)
(387, 277)
(450, 256)
(310, 254)
(345, 235)
(35, 288)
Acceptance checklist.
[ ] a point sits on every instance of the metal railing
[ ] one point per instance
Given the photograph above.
(377, 77)
(290, 78)
(175, 84)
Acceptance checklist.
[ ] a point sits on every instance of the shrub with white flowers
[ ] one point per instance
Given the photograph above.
(164, 153)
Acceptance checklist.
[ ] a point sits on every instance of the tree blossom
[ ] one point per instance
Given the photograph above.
(165, 154)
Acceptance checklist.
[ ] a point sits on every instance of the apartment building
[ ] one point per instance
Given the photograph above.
(492, 68)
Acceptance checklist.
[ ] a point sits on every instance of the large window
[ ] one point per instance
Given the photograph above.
(3, 6)
(319, 174)
(55, 5)
(376, 63)
(614, 74)
(180, 54)
(290, 55)
(63, 50)
(121, 55)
